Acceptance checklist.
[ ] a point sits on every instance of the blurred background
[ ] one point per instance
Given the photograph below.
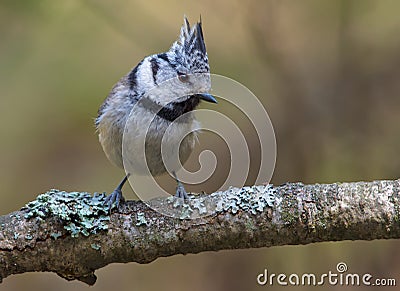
(327, 72)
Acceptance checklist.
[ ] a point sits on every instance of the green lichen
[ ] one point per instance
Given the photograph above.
(252, 199)
(17, 216)
(95, 246)
(55, 235)
(80, 212)
(186, 211)
(141, 220)
(199, 204)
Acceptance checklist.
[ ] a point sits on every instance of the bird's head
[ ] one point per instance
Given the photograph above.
(183, 72)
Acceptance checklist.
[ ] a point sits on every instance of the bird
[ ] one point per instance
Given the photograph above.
(184, 72)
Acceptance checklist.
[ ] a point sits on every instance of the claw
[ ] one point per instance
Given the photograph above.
(181, 192)
(116, 196)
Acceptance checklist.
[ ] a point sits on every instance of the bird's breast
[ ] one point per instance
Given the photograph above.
(153, 144)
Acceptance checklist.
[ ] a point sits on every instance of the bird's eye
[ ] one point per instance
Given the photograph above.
(183, 77)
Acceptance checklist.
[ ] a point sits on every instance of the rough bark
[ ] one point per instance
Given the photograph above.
(298, 214)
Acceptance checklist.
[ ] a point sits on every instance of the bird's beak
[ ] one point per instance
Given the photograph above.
(207, 97)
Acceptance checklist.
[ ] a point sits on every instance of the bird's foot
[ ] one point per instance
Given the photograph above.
(181, 192)
(114, 198)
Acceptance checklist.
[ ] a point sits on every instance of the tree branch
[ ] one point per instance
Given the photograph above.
(74, 245)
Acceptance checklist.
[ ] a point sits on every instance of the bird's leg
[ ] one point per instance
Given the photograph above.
(180, 190)
(116, 195)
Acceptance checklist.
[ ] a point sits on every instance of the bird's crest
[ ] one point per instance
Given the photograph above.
(190, 49)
